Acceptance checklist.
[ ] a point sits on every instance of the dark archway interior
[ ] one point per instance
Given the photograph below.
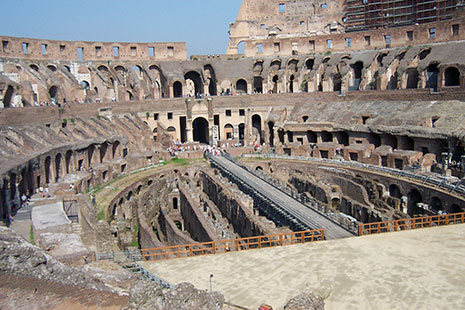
(412, 79)
(8, 96)
(291, 84)
(337, 82)
(311, 136)
(241, 86)
(436, 204)
(241, 131)
(177, 90)
(414, 197)
(432, 76)
(326, 136)
(200, 127)
(452, 77)
(195, 77)
(394, 191)
(53, 92)
(275, 84)
(257, 123)
(212, 89)
(271, 131)
(258, 84)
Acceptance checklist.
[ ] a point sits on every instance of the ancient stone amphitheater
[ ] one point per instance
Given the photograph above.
(355, 108)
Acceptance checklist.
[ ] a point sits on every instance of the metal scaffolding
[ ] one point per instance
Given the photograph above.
(369, 14)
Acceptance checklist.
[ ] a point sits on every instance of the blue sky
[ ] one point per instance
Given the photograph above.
(202, 24)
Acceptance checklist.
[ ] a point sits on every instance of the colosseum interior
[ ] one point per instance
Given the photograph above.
(353, 106)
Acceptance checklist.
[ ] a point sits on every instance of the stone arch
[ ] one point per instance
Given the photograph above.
(52, 68)
(258, 84)
(451, 77)
(326, 136)
(291, 83)
(103, 68)
(130, 96)
(241, 86)
(342, 138)
(436, 204)
(271, 133)
(413, 199)
(177, 89)
(337, 82)
(309, 63)
(85, 85)
(195, 77)
(241, 47)
(258, 67)
(172, 132)
(357, 68)
(211, 77)
(275, 84)
(34, 67)
(432, 72)
(394, 191)
(241, 131)
(228, 131)
(412, 78)
(103, 151)
(201, 130)
(68, 158)
(58, 166)
(90, 154)
(47, 164)
(257, 124)
(454, 208)
(116, 149)
(311, 137)
(53, 92)
(7, 98)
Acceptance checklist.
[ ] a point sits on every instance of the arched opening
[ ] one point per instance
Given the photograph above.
(116, 149)
(155, 134)
(47, 163)
(391, 140)
(177, 89)
(407, 143)
(271, 132)
(85, 85)
(309, 64)
(175, 203)
(211, 77)
(452, 77)
(422, 55)
(241, 86)
(68, 157)
(436, 204)
(130, 96)
(414, 198)
(375, 139)
(197, 80)
(257, 124)
(393, 81)
(311, 137)
(228, 132)
(90, 154)
(200, 128)
(172, 132)
(394, 191)
(357, 68)
(103, 68)
(258, 84)
(258, 168)
(326, 136)
(336, 203)
(241, 131)
(275, 84)
(454, 209)
(412, 79)
(103, 151)
(291, 83)
(53, 91)
(343, 138)
(432, 76)
(241, 47)
(337, 82)
(8, 97)
(52, 68)
(34, 67)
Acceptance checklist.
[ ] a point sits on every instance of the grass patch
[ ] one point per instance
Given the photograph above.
(180, 161)
(101, 215)
(31, 235)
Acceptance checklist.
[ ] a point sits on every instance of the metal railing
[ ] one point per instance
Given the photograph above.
(341, 219)
(435, 181)
(412, 223)
(233, 245)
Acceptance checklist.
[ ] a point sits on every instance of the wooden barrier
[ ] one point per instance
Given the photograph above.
(234, 245)
(412, 223)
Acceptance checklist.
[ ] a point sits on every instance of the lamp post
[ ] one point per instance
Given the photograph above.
(211, 276)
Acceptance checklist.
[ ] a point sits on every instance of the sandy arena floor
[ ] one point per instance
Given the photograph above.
(420, 269)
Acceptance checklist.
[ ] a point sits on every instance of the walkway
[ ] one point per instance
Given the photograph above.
(300, 212)
(415, 269)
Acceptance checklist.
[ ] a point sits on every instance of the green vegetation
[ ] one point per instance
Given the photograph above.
(31, 235)
(328, 53)
(101, 215)
(72, 121)
(64, 122)
(135, 242)
(180, 161)
(147, 115)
